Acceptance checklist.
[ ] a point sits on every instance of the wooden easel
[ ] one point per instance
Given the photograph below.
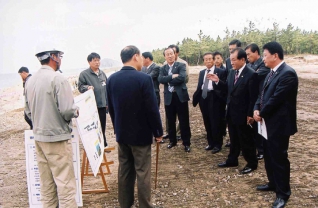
(84, 172)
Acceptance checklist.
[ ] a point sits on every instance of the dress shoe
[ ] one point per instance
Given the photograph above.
(225, 165)
(165, 136)
(209, 147)
(178, 138)
(247, 170)
(279, 203)
(260, 157)
(228, 144)
(265, 187)
(170, 145)
(215, 150)
(187, 148)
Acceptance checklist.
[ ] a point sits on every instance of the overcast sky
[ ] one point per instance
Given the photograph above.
(106, 26)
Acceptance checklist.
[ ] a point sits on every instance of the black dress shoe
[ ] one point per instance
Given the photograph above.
(279, 203)
(209, 147)
(247, 170)
(265, 187)
(225, 164)
(260, 157)
(165, 136)
(228, 144)
(170, 145)
(215, 150)
(178, 138)
(187, 148)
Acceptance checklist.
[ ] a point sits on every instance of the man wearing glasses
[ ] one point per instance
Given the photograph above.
(95, 79)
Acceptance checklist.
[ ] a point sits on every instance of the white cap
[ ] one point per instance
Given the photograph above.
(44, 50)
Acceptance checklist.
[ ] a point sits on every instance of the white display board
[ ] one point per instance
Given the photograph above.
(90, 130)
(33, 177)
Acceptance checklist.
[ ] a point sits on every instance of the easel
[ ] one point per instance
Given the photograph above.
(84, 172)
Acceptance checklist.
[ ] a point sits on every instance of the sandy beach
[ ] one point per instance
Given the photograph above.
(184, 180)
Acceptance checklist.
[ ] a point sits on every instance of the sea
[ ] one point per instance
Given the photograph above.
(14, 79)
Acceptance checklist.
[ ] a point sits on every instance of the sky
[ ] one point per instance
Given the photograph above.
(106, 26)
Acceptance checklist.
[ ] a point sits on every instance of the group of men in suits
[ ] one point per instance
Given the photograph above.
(249, 91)
(254, 95)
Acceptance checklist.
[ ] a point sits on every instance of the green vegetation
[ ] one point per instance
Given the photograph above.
(293, 40)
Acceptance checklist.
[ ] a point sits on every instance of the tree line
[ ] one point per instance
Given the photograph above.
(293, 40)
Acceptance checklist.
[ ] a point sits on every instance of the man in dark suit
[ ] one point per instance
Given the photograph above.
(176, 98)
(255, 61)
(150, 68)
(276, 105)
(233, 44)
(212, 103)
(241, 97)
(135, 116)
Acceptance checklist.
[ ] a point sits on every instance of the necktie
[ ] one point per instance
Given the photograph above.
(170, 88)
(205, 86)
(262, 94)
(236, 76)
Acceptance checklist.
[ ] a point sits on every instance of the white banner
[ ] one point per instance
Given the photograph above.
(90, 130)
(33, 177)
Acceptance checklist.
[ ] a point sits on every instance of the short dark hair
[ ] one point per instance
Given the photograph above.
(240, 53)
(217, 53)
(92, 56)
(236, 42)
(208, 53)
(128, 52)
(253, 47)
(174, 46)
(274, 47)
(167, 49)
(23, 69)
(147, 55)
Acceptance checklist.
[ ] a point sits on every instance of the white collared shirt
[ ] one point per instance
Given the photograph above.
(276, 67)
(150, 65)
(240, 70)
(210, 85)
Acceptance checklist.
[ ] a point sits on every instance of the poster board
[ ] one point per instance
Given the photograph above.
(90, 130)
(33, 177)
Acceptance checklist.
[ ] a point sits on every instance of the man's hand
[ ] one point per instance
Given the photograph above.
(90, 87)
(256, 116)
(250, 120)
(175, 75)
(158, 139)
(213, 77)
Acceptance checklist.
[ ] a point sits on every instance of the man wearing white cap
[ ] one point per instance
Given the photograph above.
(49, 104)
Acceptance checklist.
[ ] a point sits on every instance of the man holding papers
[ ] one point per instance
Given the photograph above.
(276, 105)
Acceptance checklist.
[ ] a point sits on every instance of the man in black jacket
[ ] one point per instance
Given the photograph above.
(241, 96)
(24, 73)
(136, 119)
(276, 109)
(255, 61)
(176, 98)
(152, 69)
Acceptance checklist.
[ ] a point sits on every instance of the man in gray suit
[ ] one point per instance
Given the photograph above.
(149, 67)
(176, 98)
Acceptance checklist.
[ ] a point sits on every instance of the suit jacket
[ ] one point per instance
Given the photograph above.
(178, 82)
(198, 93)
(133, 107)
(241, 97)
(187, 67)
(279, 102)
(261, 71)
(153, 71)
(228, 66)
